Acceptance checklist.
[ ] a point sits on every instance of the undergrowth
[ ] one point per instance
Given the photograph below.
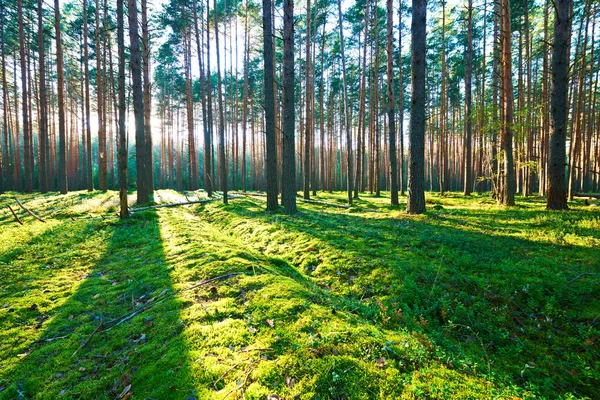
(470, 300)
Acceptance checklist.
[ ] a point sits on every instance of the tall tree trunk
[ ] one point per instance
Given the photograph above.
(208, 137)
(141, 156)
(27, 156)
(62, 138)
(507, 194)
(288, 181)
(416, 161)
(102, 160)
(269, 105)
(308, 112)
(221, 150)
(8, 170)
(88, 129)
(401, 101)
(557, 193)
(147, 92)
(43, 122)
(245, 106)
(348, 123)
(322, 112)
(468, 184)
(390, 106)
(122, 151)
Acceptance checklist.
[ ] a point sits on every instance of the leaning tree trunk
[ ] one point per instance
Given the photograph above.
(416, 162)
(269, 105)
(122, 141)
(288, 180)
(557, 192)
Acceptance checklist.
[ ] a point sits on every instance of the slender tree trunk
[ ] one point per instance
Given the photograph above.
(208, 144)
(308, 112)
(468, 183)
(8, 170)
(221, 156)
(62, 158)
(401, 101)
(43, 122)
(141, 157)
(322, 112)
(348, 122)
(390, 106)
(86, 83)
(269, 105)
(122, 151)
(416, 171)
(27, 156)
(557, 193)
(288, 181)
(507, 193)
(102, 161)
(245, 106)
(147, 92)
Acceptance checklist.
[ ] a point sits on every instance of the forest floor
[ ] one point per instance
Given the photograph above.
(470, 300)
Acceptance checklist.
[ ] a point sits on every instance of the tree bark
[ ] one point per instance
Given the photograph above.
(390, 106)
(288, 181)
(62, 158)
(308, 111)
(507, 192)
(141, 157)
(347, 122)
(27, 156)
(122, 150)
(557, 192)
(147, 90)
(416, 170)
(468, 90)
(43, 122)
(269, 105)
(221, 149)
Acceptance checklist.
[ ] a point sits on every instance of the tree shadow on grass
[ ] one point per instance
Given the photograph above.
(75, 355)
(492, 303)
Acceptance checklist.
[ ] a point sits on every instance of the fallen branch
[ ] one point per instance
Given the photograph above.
(88, 339)
(183, 203)
(592, 195)
(28, 210)
(162, 296)
(204, 282)
(325, 203)
(14, 214)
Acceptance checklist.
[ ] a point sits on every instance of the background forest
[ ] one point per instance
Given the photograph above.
(203, 73)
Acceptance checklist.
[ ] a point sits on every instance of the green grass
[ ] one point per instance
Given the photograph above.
(470, 300)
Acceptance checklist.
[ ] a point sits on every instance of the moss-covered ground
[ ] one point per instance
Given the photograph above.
(470, 300)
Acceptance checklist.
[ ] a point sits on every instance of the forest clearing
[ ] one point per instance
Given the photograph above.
(470, 300)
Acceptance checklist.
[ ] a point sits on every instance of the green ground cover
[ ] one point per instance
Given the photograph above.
(470, 300)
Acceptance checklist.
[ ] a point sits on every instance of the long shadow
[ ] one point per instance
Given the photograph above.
(83, 351)
(507, 307)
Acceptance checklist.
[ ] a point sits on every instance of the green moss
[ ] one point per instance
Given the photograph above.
(470, 300)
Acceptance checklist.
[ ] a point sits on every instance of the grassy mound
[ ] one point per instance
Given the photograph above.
(470, 300)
